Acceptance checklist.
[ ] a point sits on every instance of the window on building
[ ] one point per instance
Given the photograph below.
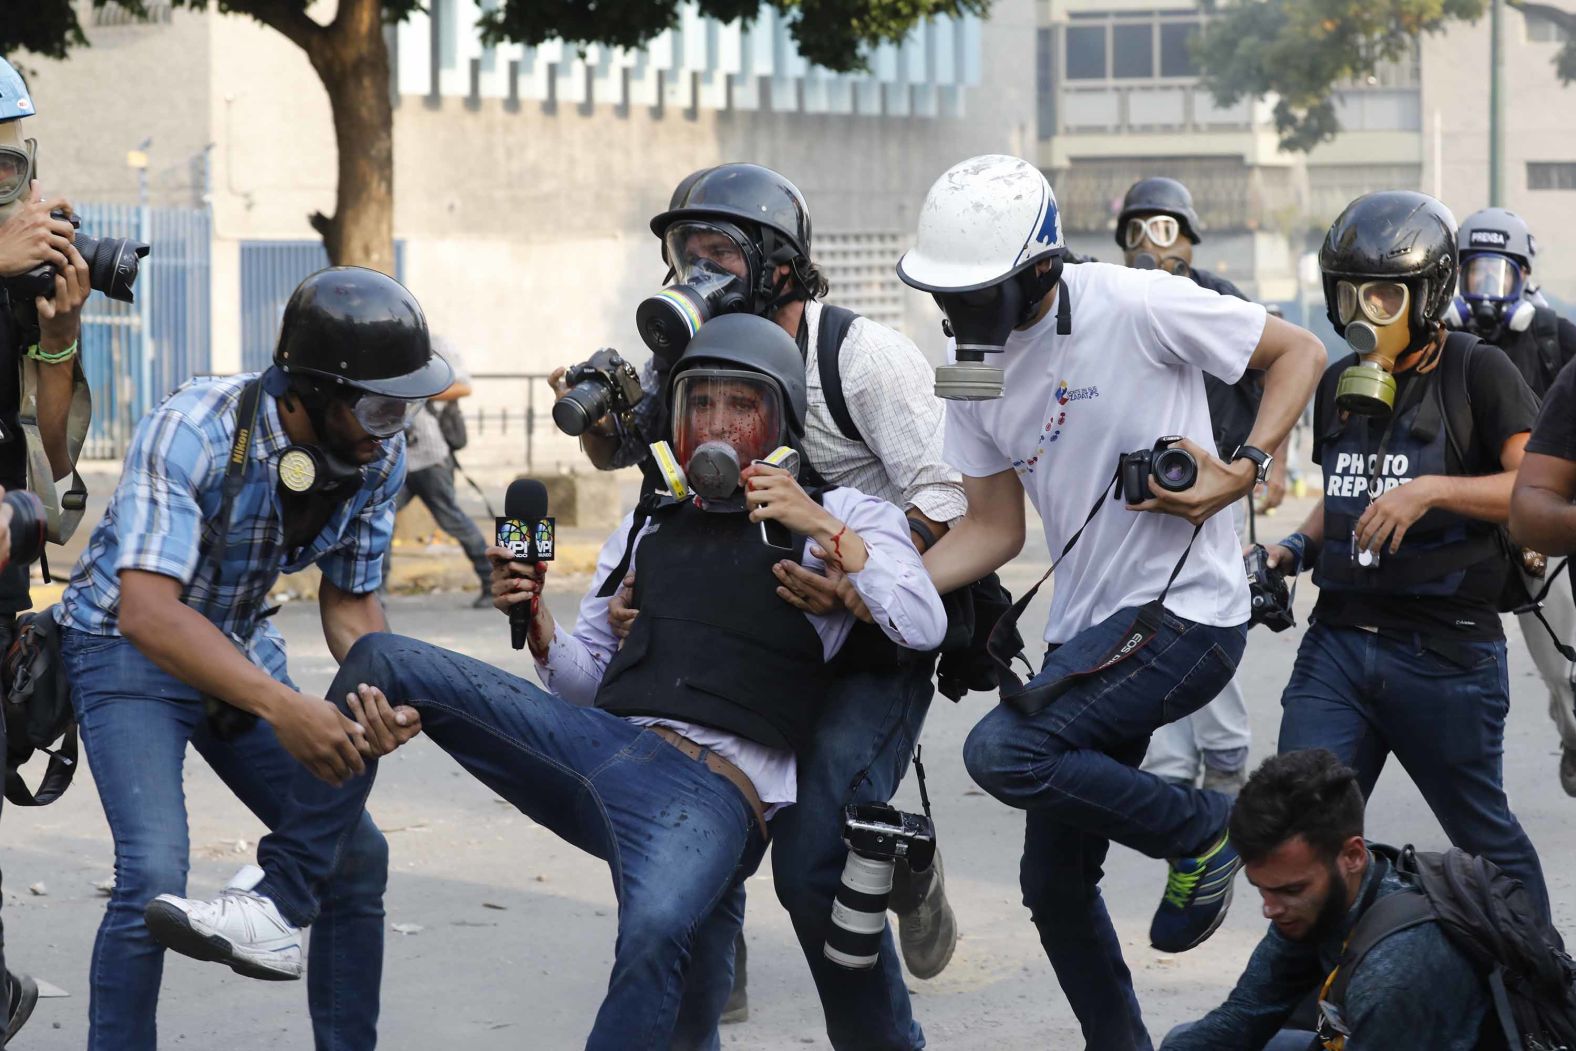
(1551, 175)
(1045, 80)
(1541, 30)
(1133, 51)
(1175, 58)
(114, 14)
(1086, 52)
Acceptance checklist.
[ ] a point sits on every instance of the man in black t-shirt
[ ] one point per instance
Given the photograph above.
(1405, 653)
(1543, 518)
(1497, 250)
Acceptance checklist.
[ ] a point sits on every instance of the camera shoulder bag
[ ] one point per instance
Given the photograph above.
(38, 709)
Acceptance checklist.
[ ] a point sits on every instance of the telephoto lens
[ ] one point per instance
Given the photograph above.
(582, 405)
(27, 527)
(859, 912)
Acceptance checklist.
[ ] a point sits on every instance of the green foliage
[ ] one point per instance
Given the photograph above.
(830, 33)
(1300, 49)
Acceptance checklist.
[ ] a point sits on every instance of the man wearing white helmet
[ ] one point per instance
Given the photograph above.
(1059, 375)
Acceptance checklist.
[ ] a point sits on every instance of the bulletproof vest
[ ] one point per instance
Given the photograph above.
(1360, 451)
(713, 644)
(1232, 406)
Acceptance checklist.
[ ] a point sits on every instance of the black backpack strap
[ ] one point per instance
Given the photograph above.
(1386, 916)
(835, 323)
(56, 779)
(1546, 334)
(1455, 395)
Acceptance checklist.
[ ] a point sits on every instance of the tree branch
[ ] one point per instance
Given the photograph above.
(284, 16)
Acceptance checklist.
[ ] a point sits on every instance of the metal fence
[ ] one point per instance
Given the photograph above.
(133, 354)
(270, 271)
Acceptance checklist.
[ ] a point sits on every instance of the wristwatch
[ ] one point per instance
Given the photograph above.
(1260, 458)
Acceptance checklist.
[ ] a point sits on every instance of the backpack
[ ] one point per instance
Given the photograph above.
(37, 701)
(972, 612)
(451, 424)
(1489, 916)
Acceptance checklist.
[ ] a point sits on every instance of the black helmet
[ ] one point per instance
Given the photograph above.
(1160, 196)
(747, 341)
(1398, 234)
(363, 330)
(745, 193)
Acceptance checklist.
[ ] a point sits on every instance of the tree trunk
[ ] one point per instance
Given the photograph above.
(353, 62)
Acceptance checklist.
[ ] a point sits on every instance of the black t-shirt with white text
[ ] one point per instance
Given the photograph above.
(1502, 407)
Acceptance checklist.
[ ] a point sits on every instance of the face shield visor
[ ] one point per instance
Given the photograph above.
(1381, 302)
(698, 251)
(16, 170)
(382, 416)
(1159, 230)
(1490, 276)
(723, 420)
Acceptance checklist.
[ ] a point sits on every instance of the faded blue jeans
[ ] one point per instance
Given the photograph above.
(136, 722)
(1073, 766)
(1365, 697)
(678, 838)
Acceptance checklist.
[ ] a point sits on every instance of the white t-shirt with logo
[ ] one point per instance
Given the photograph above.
(1130, 371)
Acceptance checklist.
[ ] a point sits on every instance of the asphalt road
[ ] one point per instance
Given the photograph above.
(511, 931)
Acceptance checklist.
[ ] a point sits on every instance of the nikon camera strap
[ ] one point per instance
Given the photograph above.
(62, 514)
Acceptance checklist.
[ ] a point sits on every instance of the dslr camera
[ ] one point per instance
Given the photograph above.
(1267, 591)
(606, 383)
(112, 267)
(28, 527)
(877, 836)
(1173, 470)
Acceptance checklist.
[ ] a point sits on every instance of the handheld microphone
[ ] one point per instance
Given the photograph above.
(528, 534)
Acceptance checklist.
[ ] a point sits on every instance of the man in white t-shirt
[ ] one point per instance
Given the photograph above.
(1067, 371)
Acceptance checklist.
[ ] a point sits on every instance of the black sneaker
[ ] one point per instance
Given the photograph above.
(21, 998)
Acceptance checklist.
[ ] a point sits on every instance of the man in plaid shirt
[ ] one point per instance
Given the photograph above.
(228, 484)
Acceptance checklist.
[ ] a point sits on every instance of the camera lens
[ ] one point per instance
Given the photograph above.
(112, 264)
(859, 912)
(1175, 469)
(582, 405)
(27, 526)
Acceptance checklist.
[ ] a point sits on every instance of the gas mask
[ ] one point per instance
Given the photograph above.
(707, 260)
(326, 466)
(1376, 315)
(18, 162)
(722, 420)
(1492, 287)
(1155, 242)
(979, 322)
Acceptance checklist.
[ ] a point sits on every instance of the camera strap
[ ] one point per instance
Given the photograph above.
(62, 514)
(1145, 626)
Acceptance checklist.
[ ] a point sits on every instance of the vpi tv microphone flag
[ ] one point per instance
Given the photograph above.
(525, 530)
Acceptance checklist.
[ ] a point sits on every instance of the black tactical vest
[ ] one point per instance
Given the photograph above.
(713, 644)
(1441, 546)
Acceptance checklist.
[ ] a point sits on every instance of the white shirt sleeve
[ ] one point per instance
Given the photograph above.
(1194, 326)
(577, 660)
(893, 582)
(967, 447)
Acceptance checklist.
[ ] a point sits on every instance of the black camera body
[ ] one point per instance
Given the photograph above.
(1173, 470)
(112, 267)
(605, 383)
(28, 526)
(877, 836)
(1267, 591)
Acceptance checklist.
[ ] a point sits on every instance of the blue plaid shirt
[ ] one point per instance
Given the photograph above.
(165, 512)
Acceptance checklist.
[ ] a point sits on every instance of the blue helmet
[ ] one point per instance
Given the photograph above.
(15, 102)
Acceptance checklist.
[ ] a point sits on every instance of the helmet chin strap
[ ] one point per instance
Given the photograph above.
(1423, 359)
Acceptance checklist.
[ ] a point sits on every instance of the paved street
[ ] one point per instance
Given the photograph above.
(512, 931)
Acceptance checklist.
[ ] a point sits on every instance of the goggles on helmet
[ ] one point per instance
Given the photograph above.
(1161, 231)
(1489, 275)
(16, 170)
(741, 408)
(698, 250)
(1382, 302)
(383, 416)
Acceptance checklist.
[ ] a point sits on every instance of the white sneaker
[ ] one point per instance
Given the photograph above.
(239, 927)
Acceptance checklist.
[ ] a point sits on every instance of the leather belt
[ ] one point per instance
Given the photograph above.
(719, 766)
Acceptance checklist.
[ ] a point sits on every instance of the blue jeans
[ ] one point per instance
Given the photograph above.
(1073, 766)
(867, 731)
(1364, 696)
(136, 722)
(678, 838)
(1285, 1040)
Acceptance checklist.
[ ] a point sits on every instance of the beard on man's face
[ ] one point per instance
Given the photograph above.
(1332, 912)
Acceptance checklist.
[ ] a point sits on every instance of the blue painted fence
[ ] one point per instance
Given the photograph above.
(270, 271)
